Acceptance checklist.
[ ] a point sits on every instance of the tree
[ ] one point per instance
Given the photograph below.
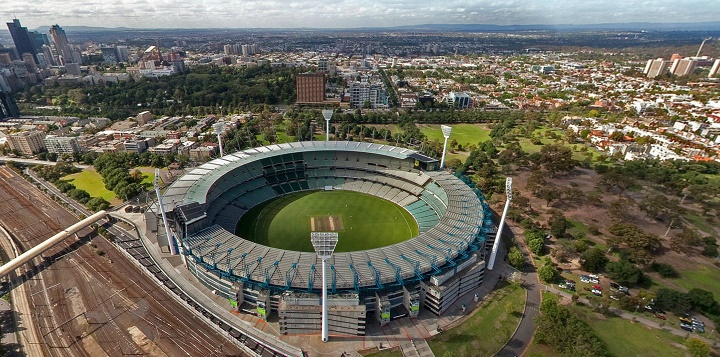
(97, 203)
(516, 258)
(593, 260)
(702, 299)
(556, 158)
(637, 245)
(697, 347)
(685, 241)
(548, 273)
(673, 300)
(558, 224)
(624, 272)
(565, 332)
(549, 193)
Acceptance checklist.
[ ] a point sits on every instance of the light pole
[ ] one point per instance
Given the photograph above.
(446, 130)
(324, 244)
(327, 114)
(496, 244)
(219, 127)
(170, 236)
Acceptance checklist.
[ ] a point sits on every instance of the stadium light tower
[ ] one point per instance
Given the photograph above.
(324, 244)
(327, 114)
(496, 244)
(171, 242)
(446, 130)
(219, 127)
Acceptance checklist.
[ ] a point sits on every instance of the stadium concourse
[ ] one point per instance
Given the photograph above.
(432, 270)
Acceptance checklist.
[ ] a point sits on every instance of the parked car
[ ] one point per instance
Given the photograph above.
(686, 327)
(615, 286)
(597, 292)
(685, 320)
(614, 297)
(699, 328)
(661, 317)
(659, 311)
(597, 287)
(697, 322)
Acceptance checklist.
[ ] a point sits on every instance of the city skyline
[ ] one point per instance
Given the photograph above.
(351, 13)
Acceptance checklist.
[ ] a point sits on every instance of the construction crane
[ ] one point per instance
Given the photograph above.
(701, 46)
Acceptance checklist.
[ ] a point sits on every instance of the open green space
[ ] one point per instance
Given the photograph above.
(701, 277)
(487, 330)
(388, 353)
(362, 221)
(621, 337)
(91, 181)
(465, 134)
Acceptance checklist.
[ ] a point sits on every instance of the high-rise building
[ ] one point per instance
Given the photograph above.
(657, 67)
(683, 67)
(310, 87)
(61, 144)
(27, 142)
(8, 108)
(109, 54)
(62, 48)
(24, 43)
(714, 69)
(122, 53)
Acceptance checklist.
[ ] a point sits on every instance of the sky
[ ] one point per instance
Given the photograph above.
(348, 13)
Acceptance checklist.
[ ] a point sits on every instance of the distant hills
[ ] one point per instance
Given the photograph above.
(633, 26)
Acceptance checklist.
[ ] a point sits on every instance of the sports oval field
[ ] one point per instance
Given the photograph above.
(362, 221)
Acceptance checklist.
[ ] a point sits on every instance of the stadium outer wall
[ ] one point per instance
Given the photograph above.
(431, 270)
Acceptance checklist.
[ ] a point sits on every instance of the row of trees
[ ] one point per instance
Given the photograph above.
(54, 174)
(568, 335)
(114, 169)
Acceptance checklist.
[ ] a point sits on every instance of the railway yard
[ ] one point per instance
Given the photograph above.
(83, 297)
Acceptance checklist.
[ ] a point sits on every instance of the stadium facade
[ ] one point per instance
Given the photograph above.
(432, 270)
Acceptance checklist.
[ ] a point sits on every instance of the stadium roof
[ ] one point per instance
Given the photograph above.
(195, 185)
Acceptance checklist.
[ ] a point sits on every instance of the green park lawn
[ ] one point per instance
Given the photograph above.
(487, 330)
(388, 353)
(366, 222)
(621, 337)
(701, 277)
(91, 181)
(465, 134)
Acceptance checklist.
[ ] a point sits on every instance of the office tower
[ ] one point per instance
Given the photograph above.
(63, 50)
(310, 87)
(8, 108)
(714, 69)
(109, 54)
(683, 67)
(656, 68)
(323, 65)
(21, 37)
(29, 62)
(122, 53)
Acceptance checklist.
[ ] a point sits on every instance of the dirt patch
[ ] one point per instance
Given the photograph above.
(328, 223)
(147, 346)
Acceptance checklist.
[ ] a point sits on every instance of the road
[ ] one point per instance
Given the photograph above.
(87, 299)
(4, 159)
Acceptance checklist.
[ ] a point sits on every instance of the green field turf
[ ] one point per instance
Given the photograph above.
(91, 181)
(465, 134)
(367, 221)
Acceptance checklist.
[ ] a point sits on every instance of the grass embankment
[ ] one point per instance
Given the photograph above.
(487, 330)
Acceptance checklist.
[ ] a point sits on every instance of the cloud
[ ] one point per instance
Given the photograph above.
(349, 13)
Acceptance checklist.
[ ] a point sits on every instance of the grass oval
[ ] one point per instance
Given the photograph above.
(362, 221)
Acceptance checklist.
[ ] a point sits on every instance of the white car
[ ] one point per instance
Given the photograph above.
(597, 292)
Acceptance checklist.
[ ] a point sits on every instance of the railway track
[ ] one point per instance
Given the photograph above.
(86, 297)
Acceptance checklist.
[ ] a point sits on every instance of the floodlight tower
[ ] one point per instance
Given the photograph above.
(327, 114)
(171, 242)
(219, 127)
(496, 244)
(324, 244)
(446, 130)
